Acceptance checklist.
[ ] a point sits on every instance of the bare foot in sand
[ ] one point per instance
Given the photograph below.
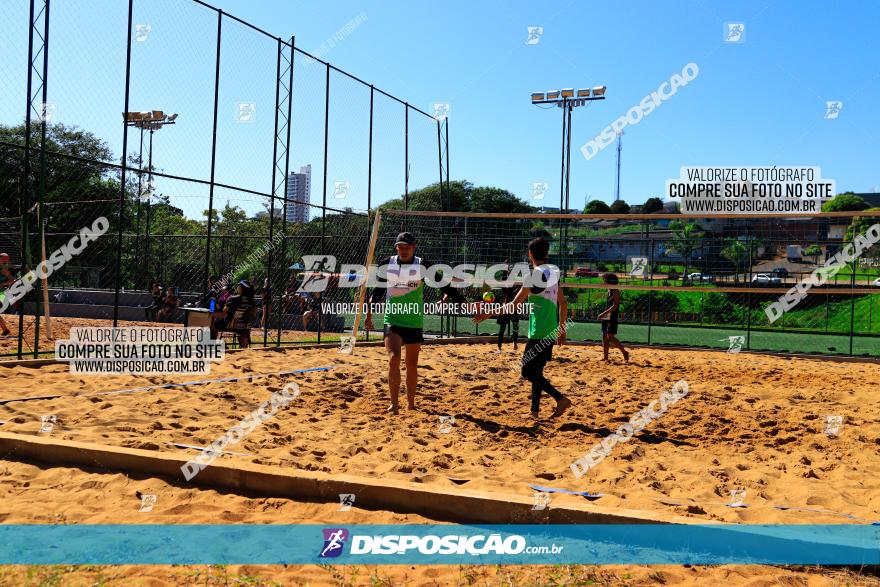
(561, 406)
(625, 356)
(393, 409)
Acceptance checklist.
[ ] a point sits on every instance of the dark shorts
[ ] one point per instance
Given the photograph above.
(609, 326)
(409, 335)
(536, 355)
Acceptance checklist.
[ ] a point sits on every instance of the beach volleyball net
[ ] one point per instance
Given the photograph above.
(711, 282)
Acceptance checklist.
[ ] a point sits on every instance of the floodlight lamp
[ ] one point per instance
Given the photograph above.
(568, 93)
(598, 91)
(537, 96)
(584, 93)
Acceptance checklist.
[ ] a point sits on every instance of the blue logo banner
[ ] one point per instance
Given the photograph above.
(441, 544)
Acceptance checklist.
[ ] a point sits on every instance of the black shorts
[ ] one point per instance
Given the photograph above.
(536, 355)
(409, 335)
(609, 326)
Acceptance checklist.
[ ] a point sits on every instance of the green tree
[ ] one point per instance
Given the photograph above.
(684, 241)
(85, 185)
(846, 202)
(619, 207)
(737, 253)
(597, 207)
(497, 200)
(462, 196)
(652, 205)
(813, 251)
(858, 226)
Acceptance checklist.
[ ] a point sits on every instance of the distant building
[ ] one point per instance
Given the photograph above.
(299, 192)
(670, 207)
(265, 213)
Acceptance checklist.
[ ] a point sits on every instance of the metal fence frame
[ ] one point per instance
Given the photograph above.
(31, 197)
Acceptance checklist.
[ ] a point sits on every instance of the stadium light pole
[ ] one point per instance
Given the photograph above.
(567, 100)
(151, 121)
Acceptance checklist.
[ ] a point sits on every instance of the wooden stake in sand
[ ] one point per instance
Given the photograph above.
(374, 237)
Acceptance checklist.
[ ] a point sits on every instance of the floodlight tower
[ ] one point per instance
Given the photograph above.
(567, 100)
(151, 121)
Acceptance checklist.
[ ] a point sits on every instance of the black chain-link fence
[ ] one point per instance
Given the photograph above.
(212, 149)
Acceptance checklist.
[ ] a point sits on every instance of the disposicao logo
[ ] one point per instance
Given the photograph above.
(334, 540)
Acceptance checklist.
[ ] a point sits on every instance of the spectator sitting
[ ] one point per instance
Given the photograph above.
(289, 301)
(213, 290)
(243, 299)
(170, 304)
(158, 302)
(225, 294)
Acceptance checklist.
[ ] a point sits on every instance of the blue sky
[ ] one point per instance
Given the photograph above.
(761, 102)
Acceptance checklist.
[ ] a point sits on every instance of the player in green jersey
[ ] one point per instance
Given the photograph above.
(404, 314)
(547, 321)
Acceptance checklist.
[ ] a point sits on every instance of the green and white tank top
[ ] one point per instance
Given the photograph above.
(404, 295)
(544, 317)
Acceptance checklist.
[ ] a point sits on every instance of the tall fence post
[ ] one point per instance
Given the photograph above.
(370, 154)
(406, 156)
(24, 195)
(124, 166)
(267, 282)
(852, 308)
(440, 166)
(280, 312)
(446, 126)
(213, 154)
(650, 291)
(41, 191)
(324, 197)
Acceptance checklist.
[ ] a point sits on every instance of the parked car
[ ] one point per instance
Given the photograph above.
(766, 279)
(876, 282)
(780, 272)
(585, 272)
(700, 277)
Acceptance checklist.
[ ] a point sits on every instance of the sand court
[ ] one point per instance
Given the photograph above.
(750, 442)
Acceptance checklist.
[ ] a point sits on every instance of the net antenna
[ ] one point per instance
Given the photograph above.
(362, 291)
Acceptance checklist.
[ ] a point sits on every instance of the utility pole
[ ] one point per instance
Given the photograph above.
(619, 148)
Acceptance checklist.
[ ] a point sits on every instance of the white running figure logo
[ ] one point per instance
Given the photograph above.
(335, 542)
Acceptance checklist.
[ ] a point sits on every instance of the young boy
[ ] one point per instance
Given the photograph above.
(609, 318)
(547, 321)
